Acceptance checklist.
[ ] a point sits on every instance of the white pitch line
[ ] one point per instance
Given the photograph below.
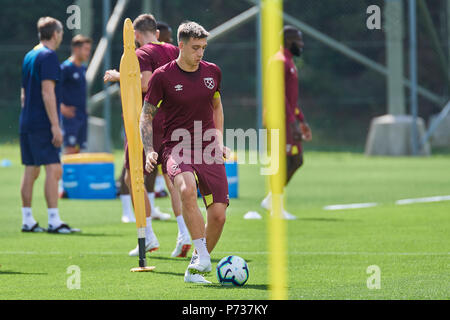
(345, 253)
(423, 200)
(303, 253)
(398, 202)
(350, 206)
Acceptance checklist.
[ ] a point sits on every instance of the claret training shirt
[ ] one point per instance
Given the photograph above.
(185, 97)
(151, 56)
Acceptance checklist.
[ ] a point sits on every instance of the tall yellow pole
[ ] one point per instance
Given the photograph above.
(273, 98)
(130, 90)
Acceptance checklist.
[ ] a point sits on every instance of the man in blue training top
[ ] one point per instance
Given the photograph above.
(74, 91)
(40, 132)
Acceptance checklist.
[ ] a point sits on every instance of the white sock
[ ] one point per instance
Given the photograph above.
(127, 205)
(200, 246)
(149, 234)
(182, 229)
(53, 217)
(159, 183)
(151, 198)
(60, 186)
(27, 217)
(267, 201)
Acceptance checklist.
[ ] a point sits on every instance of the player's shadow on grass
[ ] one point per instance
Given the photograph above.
(164, 221)
(324, 219)
(247, 286)
(188, 258)
(81, 234)
(151, 257)
(22, 273)
(178, 274)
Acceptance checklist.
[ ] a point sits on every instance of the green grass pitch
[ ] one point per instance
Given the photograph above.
(328, 251)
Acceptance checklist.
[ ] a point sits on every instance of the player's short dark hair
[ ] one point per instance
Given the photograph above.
(190, 29)
(47, 26)
(79, 40)
(162, 26)
(289, 31)
(145, 23)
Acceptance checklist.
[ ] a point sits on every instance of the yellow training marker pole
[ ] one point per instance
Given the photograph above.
(130, 90)
(273, 99)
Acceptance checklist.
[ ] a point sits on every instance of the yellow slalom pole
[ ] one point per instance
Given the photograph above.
(273, 99)
(130, 90)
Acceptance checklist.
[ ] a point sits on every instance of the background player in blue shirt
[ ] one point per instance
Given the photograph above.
(74, 95)
(40, 132)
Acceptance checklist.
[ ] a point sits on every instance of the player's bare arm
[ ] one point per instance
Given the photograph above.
(114, 76)
(296, 131)
(306, 131)
(22, 97)
(111, 76)
(145, 78)
(48, 95)
(145, 124)
(218, 122)
(68, 111)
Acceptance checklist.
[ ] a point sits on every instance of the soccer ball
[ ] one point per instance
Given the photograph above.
(232, 271)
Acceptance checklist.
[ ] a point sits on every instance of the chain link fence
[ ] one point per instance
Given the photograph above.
(339, 96)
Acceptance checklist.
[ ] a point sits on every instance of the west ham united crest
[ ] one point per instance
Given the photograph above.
(209, 83)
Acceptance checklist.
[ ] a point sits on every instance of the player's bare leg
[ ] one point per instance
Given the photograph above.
(174, 196)
(183, 239)
(149, 181)
(160, 186)
(216, 217)
(187, 188)
(125, 199)
(123, 186)
(26, 191)
(127, 179)
(151, 242)
(200, 263)
(53, 173)
(71, 150)
(67, 150)
(293, 164)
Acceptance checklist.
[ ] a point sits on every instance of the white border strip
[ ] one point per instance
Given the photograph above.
(398, 202)
(423, 200)
(350, 206)
(305, 253)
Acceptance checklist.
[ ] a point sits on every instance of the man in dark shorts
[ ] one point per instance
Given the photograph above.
(297, 128)
(187, 92)
(145, 38)
(74, 95)
(152, 54)
(40, 131)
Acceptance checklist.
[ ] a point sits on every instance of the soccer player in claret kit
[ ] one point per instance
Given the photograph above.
(297, 129)
(152, 54)
(165, 32)
(186, 91)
